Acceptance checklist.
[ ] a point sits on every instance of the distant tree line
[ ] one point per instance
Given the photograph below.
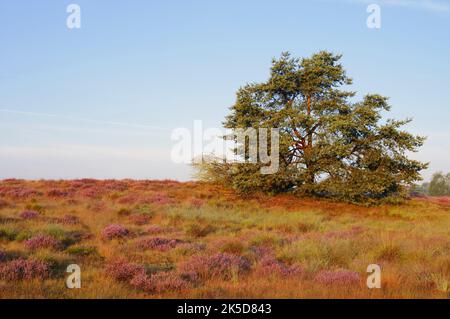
(438, 186)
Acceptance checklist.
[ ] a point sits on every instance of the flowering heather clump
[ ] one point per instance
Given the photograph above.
(169, 281)
(162, 244)
(340, 277)
(92, 192)
(140, 219)
(43, 241)
(121, 270)
(115, 231)
(160, 199)
(221, 265)
(160, 282)
(19, 269)
(29, 214)
(19, 192)
(270, 266)
(143, 282)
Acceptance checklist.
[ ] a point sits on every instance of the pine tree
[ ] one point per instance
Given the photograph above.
(330, 146)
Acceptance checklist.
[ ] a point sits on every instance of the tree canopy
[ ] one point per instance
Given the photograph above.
(330, 146)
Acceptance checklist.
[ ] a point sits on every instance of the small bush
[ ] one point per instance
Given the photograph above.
(340, 277)
(160, 282)
(19, 269)
(162, 244)
(121, 270)
(115, 231)
(43, 242)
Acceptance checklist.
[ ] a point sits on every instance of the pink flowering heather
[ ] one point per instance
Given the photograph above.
(29, 214)
(221, 265)
(121, 270)
(162, 244)
(160, 199)
(339, 277)
(269, 266)
(160, 282)
(21, 268)
(115, 231)
(43, 242)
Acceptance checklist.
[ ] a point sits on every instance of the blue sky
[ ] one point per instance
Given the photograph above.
(101, 101)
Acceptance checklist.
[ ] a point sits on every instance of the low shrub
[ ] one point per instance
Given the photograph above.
(339, 277)
(43, 242)
(115, 231)
(19, 269)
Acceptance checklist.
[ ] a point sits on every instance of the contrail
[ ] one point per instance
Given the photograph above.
(85, 119)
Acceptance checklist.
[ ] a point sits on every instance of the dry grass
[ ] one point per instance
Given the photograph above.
(157, 239)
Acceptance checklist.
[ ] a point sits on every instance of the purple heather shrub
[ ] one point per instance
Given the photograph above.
(160, 282)
(21, 268)
(221, 265)
(160, 199)
(270, 266)
(115, 231)
(162, 244)
(43, 242)
(169, 281)
(121, 270)
(29, 214)
(339, 277)
(143, 282)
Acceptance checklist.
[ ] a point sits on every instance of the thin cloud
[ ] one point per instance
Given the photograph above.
(27, 113)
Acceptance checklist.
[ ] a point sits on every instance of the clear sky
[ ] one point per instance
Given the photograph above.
(101, 101)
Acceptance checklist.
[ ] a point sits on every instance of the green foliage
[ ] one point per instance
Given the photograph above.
(439, 185)
(330, 146)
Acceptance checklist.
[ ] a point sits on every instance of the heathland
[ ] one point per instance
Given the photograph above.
(153, 239)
